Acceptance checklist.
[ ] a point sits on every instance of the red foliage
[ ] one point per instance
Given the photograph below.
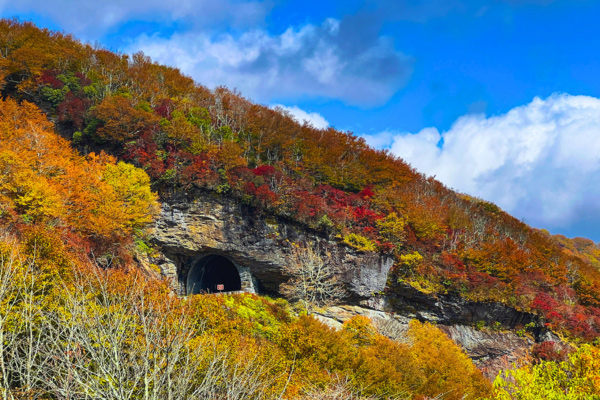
(452, 262)
(145, 154)
(307, 205)
(266, 198)
(264, 170)
(369, 232)
(83, 80)
(165, 108)
(199, 172)
(367, 192)
(578, 325)
(386, 247)
(556, 320)
(73, 109)
(77, 243)
(338, 198)
(365, 216)
(544, 302)
(482, 280)
(49, 77)
(549, 351)
(237, 174)
(262, 194)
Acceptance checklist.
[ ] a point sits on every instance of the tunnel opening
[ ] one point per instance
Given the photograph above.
(213, 274)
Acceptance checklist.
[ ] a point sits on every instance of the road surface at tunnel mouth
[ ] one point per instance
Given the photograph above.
(212, 274)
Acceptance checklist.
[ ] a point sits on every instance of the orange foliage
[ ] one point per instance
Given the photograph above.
(44, 181)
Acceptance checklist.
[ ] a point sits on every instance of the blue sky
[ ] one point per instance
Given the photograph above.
(496, 98)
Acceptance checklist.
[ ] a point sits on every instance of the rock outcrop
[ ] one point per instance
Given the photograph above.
(260, 247)
(490, 349)
(218, 225)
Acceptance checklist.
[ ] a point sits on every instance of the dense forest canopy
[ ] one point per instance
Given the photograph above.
(190, 139)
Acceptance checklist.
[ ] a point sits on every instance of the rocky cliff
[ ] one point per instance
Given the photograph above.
(260, 246)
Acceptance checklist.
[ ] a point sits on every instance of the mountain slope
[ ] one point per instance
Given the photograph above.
(190, 139)
(73, 325)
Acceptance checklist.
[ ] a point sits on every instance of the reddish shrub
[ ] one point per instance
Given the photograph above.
(49, 77)
(308, 205)
(365, 216)
(199, 172)
(265, 197)
(386, 247)
(73, 109)
(83, 80)
(165, 108)
(240, 175)
(367, 192)
(264, 170)
(479, 280)
(549, 351)
(144, 153)
(578, 325)
(544, 302)
(452, 262)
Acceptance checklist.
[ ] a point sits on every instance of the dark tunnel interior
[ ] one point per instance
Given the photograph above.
(210, 271)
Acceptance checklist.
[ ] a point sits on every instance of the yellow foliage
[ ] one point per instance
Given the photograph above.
(359, 242)
(391, 228)
(361, 330)
(441, 366)
(411, 261)
(132, 194)
(43, 179)
(574, 379)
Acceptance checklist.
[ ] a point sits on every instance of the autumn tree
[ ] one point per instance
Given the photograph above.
(45, 180)
(118, 120)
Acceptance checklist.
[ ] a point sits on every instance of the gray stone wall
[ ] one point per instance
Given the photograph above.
(259, 246)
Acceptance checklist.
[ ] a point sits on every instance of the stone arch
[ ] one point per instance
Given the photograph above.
(212, 270)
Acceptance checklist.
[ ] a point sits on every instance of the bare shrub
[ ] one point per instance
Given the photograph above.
(340, 389)
(88, 340)
(313, 281)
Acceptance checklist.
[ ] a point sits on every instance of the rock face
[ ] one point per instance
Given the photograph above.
(491, 350)
(186, 231)
(452, 309)
(213, 226)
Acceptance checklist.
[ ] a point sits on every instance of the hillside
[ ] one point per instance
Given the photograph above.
(136, 127)
(188, 138)
(79, 321)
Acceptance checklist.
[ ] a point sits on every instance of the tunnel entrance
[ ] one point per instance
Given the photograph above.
(210, 271)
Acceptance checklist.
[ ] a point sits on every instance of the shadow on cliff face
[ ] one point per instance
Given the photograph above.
(450, 309)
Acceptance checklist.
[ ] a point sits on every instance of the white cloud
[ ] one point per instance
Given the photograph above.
(540, 161)
(224, 43)
(380, 140)
(313, 118)
(91, 19)
(311, 61)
